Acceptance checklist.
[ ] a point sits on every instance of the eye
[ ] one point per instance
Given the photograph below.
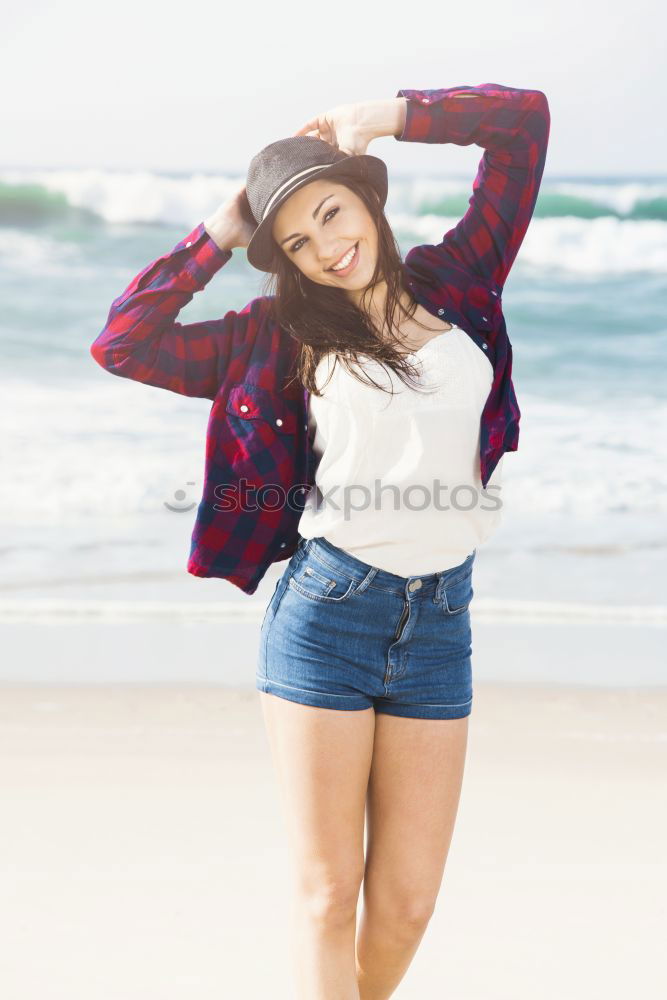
(297, 246)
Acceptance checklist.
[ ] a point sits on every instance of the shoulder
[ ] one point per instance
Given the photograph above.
(255, 319)
(258, 309)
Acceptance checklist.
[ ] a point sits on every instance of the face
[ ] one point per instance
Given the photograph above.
(319, 225)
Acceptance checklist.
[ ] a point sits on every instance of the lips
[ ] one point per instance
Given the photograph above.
(344, 270)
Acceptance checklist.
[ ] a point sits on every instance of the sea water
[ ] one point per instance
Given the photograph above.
(102, 475)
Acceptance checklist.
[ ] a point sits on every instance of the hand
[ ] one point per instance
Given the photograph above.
(347, 126)
(351, 127)
(232, 224)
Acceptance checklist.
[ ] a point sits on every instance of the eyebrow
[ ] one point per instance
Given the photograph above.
(314, 216)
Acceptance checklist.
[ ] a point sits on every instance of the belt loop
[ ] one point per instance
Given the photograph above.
(302, 548)
(370, 576)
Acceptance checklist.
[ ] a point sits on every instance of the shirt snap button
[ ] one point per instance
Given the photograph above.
(440, 312)
(188, 244)
(485, 347)
(243, 407)
(283, 544)
(424, 100)
(279, 422)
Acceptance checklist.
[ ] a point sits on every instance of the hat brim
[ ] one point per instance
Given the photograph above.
(262, 248)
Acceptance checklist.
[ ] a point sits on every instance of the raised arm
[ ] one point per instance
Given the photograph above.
(513, 127)
(142, 339)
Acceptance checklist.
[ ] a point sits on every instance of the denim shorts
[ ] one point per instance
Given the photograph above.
(340, 633)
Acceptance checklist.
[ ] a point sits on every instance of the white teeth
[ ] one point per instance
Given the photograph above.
(347, 259)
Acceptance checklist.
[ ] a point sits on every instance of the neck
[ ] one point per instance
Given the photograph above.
(375, 304)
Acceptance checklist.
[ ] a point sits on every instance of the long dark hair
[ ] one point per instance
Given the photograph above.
(323, 319)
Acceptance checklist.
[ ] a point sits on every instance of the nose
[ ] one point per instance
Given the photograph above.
(329, 256)
(330, 247)
(326, 257)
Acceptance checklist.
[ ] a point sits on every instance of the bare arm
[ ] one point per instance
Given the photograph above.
(231, 224)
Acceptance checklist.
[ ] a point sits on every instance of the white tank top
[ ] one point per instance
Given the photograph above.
(380, 460)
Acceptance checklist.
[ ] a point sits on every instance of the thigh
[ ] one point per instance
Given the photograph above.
(414, 791)
(322, 759)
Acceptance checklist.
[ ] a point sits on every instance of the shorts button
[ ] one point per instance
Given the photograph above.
(415, 585)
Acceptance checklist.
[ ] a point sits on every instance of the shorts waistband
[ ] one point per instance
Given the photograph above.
(360, 571)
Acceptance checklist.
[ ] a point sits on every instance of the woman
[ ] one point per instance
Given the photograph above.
(403, 381)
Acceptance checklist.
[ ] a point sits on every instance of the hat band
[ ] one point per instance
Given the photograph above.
(292, 182)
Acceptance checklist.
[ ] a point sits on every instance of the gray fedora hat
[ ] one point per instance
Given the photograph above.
(281, 168)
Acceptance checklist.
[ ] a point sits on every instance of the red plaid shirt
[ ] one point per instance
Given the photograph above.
(259, 461)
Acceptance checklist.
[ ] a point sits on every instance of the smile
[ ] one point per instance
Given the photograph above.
(347, 262)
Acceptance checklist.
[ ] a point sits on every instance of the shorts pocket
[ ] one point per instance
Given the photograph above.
(318, 582)
(456, 596)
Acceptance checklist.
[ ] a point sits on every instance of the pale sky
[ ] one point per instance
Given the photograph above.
(160, 86)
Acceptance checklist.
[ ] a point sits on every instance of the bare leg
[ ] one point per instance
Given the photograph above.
(322, 758)
(413, 797)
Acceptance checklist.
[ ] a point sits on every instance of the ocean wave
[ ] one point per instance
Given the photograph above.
(583, 247)
(631, 200)
(579, 229)
(92, 196)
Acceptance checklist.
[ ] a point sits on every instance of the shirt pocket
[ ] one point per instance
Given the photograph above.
(263, 425)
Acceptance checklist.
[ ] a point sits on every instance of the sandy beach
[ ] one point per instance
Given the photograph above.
(144, 854)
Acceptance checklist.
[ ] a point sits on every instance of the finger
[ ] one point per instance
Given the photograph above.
(308, 127)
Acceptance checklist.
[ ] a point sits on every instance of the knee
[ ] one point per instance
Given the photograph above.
(403, 914)
(330, 901)
(413, 915)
